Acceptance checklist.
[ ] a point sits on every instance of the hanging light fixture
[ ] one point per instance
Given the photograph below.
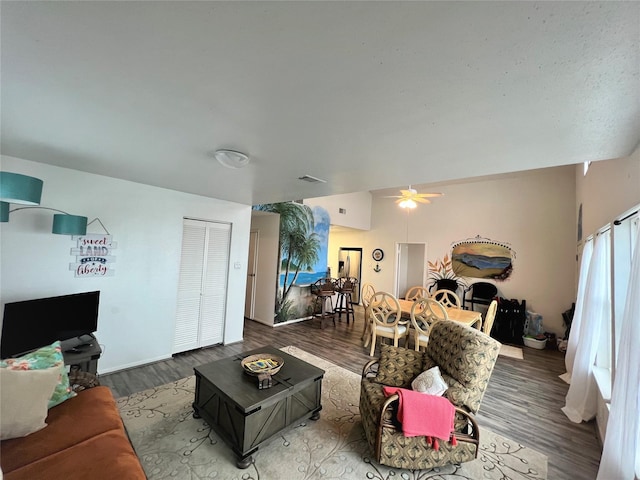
(21, 189)
(66, 224)
(4, 212)
(407, 203)
(63, 223)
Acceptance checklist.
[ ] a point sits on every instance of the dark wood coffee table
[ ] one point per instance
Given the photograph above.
(247, 417)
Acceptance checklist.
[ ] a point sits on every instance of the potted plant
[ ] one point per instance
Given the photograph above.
(441, 275)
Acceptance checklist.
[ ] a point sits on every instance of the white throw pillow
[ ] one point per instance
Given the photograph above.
(24, 396)
(431, 382)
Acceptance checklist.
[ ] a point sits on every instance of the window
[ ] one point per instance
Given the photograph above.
(625, 233)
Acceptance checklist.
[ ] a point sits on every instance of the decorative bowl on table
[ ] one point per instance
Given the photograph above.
(262, 363)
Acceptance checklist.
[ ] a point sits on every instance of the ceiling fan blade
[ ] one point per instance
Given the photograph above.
(429, 195)
(392, 196)
(421, 200)
(408, 193)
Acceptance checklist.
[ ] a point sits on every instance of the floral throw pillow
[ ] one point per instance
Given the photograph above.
(431, 382)
(43, 358)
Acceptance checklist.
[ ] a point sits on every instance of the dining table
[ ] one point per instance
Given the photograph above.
(467, 317)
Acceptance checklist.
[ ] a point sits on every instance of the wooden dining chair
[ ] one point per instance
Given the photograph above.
(489, 317)
(367, 292)
(386, 319)
(424, 313)
(414, 293)
(447, 298)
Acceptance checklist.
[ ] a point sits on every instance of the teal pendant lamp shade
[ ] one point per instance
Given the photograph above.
(69, 224)
(4, 212)
(22, 189)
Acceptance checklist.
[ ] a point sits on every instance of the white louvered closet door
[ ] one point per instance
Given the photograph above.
(202, 288)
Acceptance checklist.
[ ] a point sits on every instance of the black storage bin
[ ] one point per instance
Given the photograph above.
(508, 326)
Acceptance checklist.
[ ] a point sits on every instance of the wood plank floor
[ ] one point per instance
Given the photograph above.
(522, 402)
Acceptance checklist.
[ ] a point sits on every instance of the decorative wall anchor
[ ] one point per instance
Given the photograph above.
(377, 255)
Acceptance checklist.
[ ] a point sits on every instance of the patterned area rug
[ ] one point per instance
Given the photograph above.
(172, 444)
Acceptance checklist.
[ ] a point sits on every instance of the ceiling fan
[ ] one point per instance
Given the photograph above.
(410, 198)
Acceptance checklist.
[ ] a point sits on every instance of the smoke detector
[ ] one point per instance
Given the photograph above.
(231, 158)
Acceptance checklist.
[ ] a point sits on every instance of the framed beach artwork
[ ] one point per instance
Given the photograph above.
(482, 258)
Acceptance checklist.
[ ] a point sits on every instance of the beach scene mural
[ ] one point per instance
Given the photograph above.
(482, 258)
(303, 247)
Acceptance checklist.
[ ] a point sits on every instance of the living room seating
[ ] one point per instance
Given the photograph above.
(76, 432)
(465, 357)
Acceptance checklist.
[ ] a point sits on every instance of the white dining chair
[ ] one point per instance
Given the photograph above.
(447, 298)
(367, 292)
(424, 313)
(489, 317)
(386, 319)
(414, 293)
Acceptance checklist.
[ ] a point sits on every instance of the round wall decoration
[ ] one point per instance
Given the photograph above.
(377, 254)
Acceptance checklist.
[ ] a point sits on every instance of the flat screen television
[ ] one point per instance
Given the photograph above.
(32, 324)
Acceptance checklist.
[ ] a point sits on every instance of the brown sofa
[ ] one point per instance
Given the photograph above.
(84, 439)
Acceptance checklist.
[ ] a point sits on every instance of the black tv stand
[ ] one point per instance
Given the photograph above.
(82, 353)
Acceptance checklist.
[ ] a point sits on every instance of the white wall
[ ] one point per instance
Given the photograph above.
(609, 189)
(268, 227)
(357, 207)
(138, 304)
(533, 211)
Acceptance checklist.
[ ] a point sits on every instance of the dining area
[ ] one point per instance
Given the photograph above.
(411, 318)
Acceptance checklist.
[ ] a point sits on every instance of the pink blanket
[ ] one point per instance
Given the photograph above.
(423, 414)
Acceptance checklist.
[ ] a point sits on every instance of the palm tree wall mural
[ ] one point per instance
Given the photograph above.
(302, 241)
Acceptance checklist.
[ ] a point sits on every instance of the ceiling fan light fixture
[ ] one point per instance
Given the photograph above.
(231, 158)
(408, 203)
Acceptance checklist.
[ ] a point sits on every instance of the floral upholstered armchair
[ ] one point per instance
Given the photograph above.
(465, 357)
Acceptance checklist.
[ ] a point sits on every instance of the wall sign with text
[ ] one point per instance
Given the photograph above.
(94, 256)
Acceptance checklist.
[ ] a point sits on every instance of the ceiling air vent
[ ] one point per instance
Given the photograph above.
(310, 179)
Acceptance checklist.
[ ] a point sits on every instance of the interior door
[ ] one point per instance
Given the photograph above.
(411, 267)
(214, 284)
(202, 284)
(250, 296)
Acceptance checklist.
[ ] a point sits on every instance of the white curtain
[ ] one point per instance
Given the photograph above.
(581, 399)
(621, 453)
(576, 323)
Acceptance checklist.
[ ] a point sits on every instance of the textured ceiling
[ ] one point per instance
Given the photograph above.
(365, 95)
